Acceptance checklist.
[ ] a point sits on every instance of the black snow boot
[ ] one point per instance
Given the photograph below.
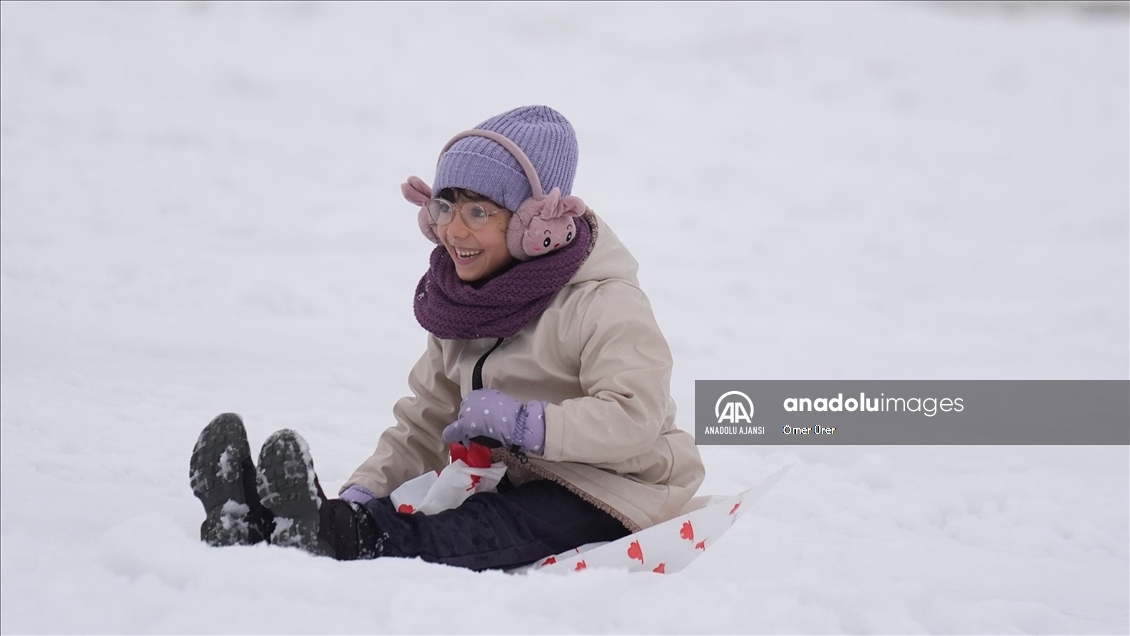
(350, 530)
(223, 477)
(290, 488)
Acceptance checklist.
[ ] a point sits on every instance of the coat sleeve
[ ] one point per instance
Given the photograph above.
(625, 374)
(413, 447)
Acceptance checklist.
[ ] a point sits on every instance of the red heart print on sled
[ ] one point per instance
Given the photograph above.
(475, 479)
(580, 566)
(635, 551)
(406, 509)
(735, 508)
(687, 531)
(550, 561)
(661, 568)
(701, 545)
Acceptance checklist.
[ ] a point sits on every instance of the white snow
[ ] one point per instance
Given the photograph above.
(227, 465)
(282, 525)
(200, 212)
(233, 514)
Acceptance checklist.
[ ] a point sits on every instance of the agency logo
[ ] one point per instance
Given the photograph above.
(734, 407)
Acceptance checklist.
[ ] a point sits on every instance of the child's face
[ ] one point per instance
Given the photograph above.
(478, 254)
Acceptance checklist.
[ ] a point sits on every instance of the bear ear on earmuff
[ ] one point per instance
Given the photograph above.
(419, 193)
(558, 206)
(416, 191)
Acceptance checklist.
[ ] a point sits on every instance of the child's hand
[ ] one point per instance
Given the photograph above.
(494, 414)
(357, 494)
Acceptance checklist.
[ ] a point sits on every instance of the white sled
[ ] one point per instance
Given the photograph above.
(669, 546)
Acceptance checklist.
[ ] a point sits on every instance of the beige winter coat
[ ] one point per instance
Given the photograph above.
(596, 355)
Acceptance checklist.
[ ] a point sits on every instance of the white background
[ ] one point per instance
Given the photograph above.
(200, 212)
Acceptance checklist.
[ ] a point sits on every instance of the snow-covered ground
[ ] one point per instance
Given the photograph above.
(200, 212)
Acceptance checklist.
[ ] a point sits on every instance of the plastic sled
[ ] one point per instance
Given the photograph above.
(667, 547)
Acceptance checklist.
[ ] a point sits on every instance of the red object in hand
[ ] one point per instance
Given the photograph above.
(477, 456)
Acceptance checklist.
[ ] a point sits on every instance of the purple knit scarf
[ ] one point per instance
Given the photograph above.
(454, 310)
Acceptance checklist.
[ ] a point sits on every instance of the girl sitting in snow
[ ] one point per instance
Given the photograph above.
(540, 342)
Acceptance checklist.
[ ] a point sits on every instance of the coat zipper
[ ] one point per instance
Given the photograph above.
(477, 374)
(476, 384)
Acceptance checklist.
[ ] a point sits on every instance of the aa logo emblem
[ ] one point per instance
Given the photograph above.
(734, 407)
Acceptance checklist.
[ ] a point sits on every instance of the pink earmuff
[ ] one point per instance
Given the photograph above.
(419, 193)
(540, 225)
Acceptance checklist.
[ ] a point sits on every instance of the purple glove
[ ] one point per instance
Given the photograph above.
(494, 414)
(357, 494)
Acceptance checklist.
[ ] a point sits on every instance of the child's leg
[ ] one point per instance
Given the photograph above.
(500, 530)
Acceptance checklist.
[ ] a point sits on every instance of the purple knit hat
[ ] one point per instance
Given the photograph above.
(506, 158)
(484, 166)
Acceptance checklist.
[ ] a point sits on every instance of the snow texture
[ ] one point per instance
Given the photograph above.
(233, 515)
(227, 465)
(200, 212)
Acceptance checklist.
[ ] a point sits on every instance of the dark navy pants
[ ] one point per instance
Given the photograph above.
(516, 526)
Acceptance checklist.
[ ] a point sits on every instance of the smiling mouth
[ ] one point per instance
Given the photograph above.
(463, 257)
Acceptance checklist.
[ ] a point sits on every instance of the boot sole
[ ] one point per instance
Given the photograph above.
(287, 487)
(215, 473)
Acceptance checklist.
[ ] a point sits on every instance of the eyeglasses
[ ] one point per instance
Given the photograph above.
(474, 215)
